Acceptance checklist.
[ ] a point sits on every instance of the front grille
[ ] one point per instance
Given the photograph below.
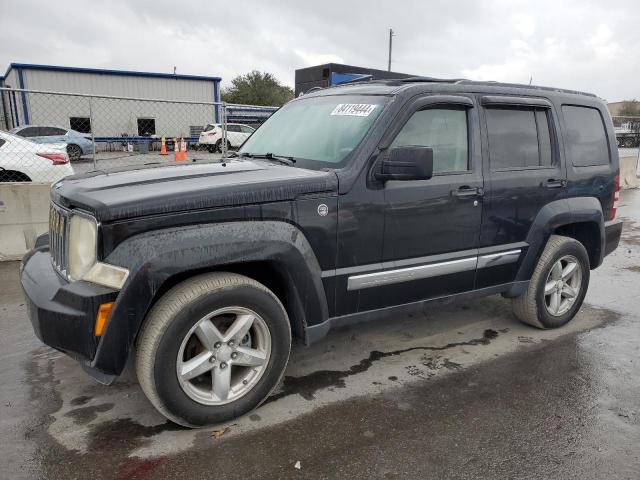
(58, 234)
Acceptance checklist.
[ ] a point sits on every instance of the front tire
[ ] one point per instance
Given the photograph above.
(558, 285)
(212, 348)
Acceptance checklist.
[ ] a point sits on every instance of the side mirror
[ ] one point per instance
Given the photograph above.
(407, 163)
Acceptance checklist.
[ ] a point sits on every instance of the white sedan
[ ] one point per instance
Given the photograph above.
(24, 161)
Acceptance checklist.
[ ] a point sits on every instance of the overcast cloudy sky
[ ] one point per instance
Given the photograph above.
(581, 44)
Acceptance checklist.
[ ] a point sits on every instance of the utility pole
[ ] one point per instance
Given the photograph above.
(390, 46)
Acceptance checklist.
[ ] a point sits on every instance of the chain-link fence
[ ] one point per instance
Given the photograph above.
(627, 130)
(45, 136)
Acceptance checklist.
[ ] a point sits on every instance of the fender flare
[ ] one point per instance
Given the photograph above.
(154, 257)
(551, 217)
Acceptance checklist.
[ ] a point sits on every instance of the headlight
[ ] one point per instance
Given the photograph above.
(83, 240)
(83, 262)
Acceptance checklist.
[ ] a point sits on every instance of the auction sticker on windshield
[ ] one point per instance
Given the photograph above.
(353, 109)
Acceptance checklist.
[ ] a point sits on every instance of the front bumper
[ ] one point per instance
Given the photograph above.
(62, 313)
(612, 233)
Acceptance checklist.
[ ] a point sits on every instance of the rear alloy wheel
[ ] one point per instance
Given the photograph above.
(558, 285)
(562, 285)
(212, 348)
(74, 151)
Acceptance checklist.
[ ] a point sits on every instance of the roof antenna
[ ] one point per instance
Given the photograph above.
(174, 70)
(530, 79)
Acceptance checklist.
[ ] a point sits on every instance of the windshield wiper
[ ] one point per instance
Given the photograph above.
(270, 156)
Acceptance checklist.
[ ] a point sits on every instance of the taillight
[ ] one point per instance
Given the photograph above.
(212, 132)
(56, 158)
(616, 197)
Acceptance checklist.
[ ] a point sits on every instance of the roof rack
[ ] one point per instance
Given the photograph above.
(430, 80)
(490, 83)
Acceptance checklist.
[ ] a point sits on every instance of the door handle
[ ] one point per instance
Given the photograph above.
(554, 183)
(465, 191)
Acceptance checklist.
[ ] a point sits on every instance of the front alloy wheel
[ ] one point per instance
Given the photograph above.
(212, 348)
(223, 356)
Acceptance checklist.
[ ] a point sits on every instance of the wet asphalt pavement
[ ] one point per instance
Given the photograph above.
(458, 391)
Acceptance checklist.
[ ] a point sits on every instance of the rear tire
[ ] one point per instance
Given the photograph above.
(218, 147)
(74, 151)
(237, 374)
(558, 285)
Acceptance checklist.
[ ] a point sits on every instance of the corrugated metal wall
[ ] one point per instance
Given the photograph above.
(112, 117)
(116, 85)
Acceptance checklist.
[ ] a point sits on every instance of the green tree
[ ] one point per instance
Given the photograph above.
(257, 88)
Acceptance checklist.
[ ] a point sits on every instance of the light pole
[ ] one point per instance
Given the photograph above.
(390, 46)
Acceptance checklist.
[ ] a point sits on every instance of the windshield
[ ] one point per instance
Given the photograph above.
(320, 129)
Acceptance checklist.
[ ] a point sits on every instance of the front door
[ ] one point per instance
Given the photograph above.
(431, 227)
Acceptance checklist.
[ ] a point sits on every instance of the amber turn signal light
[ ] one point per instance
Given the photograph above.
(101, 318)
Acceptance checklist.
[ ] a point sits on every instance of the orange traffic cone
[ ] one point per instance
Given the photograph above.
(176, 150)
(163, 147)
(181, 155)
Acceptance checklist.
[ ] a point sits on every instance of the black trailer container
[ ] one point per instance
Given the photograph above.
(336, 73)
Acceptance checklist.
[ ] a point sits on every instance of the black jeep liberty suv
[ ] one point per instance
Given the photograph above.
(347, 201)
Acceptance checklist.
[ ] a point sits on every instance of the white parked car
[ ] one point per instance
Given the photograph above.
(211, 136)
(24, 161)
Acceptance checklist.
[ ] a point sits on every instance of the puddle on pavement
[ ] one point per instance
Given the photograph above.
(307, 385)
(94, 421)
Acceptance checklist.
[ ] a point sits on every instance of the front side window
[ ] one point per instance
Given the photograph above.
(518, 138)
(442, 129)
(587, 139)
(52, 132)
(322, 130)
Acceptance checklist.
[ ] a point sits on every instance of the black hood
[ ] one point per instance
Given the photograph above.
(134, 192)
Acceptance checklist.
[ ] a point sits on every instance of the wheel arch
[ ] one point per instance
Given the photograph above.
(273, 253)
(267, 272)
(13, 176)
(580, 218)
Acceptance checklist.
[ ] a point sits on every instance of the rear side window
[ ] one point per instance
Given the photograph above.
(2, 142)
(586, 142)
(29, 132)
(518, 138)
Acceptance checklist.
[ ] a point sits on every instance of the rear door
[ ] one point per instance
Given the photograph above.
(234, 135)
(523, 173)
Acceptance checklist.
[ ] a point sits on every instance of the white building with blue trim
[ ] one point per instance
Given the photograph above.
(110, 117)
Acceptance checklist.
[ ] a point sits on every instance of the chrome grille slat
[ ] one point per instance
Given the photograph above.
(58, 233)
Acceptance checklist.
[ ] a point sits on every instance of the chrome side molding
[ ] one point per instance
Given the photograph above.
(399, 275)
(499, 258)
(387, 277)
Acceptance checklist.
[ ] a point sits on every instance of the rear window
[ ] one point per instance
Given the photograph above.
(586, 141)
(518, 138)
(208, 128)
